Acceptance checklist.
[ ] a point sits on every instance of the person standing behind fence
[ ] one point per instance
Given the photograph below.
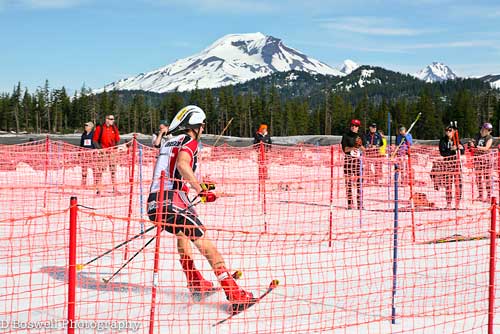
(352, 146)
(451, 168)
(86, 142)
(403, 142)
(105, 136)
(262, 136)
(372, 141)
(483, 162)
(161, 137)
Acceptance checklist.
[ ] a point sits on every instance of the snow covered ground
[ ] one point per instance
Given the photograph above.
(335, 266)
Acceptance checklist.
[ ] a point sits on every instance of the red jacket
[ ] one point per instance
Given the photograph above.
(109, 138)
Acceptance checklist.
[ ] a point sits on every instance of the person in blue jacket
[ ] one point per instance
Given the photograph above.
(403, 142)
(87, 143)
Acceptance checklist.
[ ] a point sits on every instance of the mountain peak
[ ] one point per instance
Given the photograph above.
(436, 72)
(231, 59)
(348, 66)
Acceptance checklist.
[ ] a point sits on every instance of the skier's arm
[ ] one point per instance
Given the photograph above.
(187, 173)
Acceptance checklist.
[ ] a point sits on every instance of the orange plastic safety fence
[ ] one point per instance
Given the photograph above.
(321, 223)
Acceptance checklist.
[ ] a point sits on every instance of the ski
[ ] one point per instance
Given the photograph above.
(237, 309)
(199, 296)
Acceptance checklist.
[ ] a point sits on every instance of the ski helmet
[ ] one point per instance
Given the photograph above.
(487, 126)
(355, 122)
(189, 117)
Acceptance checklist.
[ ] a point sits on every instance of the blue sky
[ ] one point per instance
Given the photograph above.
(95, 42)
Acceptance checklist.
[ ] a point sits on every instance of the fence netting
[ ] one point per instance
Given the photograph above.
(410, 254)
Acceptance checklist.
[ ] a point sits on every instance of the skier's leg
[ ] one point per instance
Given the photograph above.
(234, 292)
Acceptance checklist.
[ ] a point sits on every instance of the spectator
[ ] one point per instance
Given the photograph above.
(106, 136)
(483, 163)
(451, 169)
(262, 136)
(403, 142)
(372, 141)
(161, 136)
(352, 146)
(86, 142)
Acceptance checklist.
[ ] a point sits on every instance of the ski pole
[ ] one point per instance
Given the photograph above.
(404, 139)
(224, 130)
(129, 260)
(81, 266)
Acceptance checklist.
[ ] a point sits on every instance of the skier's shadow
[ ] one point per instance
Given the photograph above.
(88, 280)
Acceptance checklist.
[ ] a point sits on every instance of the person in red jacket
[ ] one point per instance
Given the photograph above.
(105, 136)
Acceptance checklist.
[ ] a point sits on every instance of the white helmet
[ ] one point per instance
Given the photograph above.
(189, 117)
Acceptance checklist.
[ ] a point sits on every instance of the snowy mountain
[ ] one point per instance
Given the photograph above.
(230, 60)
(348, 66)
(494, 80)
(436, 72)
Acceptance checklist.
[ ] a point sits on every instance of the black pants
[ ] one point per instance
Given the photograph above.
(352, 179)
(177, 214)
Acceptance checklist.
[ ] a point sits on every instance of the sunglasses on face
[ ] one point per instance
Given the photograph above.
(111, 119)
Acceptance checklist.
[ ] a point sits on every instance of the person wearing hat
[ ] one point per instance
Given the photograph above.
(87, 143)
(450, 165)
(352, 146)
(262, 136)
(372, 140)
(161, 137)
(483, 163)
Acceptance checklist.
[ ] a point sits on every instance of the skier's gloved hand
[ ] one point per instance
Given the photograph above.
(207, 185)
(207, 196)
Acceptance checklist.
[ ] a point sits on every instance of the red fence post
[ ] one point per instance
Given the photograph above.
(493, 234)
(263, 175)
(331, 196)
(131, 191)
(158, 220)
(412, 202)
(72, 264)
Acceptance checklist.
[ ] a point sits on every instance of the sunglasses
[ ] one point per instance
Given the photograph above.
(111, 119)
(448, 130)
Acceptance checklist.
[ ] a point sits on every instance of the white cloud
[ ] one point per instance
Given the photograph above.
(41, 4)
(370, 26)
(459, 44)
(238, 6)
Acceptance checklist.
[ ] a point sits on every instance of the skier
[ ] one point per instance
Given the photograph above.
(179, 158)
(352, 146)
(451, 166)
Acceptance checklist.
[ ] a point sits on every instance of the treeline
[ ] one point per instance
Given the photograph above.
(49, 110)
